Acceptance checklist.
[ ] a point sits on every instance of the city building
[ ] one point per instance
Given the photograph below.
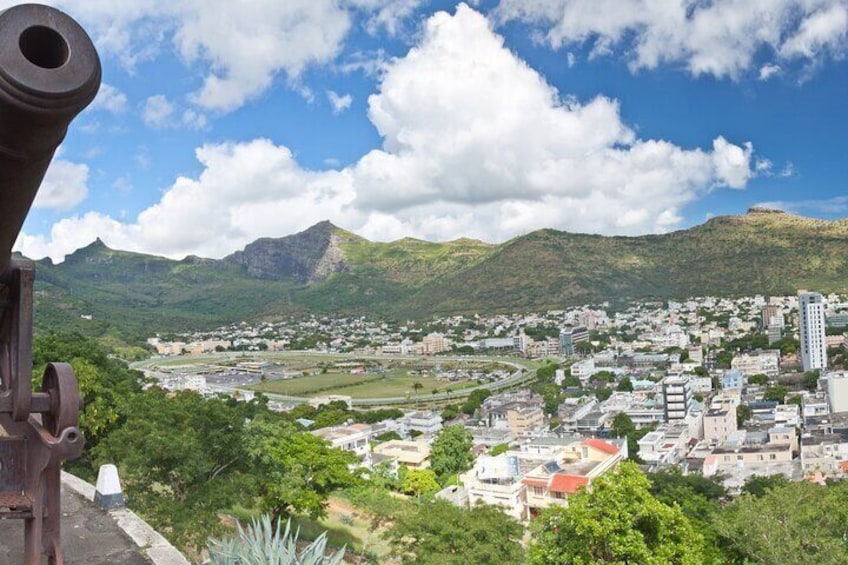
(772, 316)
(677, 397)
(573, 469)
(425, 422)
(719, 423)
(765, 362)
(837, 391)
(811, 323)
(413, 454)
(355, 438)
(824, 455)
(569, 339)
(733, 380)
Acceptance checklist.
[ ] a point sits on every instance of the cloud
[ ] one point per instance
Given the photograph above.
(388, 15)
(239, 49)
(722, 38)
(64, 186)
(769, 70)
(110, 99)
(732, 163)
(339, 103)
(475, 143)
(158, 112)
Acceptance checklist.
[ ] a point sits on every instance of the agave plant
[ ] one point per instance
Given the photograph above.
(263, 544)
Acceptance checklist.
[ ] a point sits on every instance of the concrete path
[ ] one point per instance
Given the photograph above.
(90, 536)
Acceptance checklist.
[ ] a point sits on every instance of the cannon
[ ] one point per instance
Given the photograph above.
(49, 72)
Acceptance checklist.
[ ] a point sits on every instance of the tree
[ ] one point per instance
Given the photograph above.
(743, 414)
(499, 449)
(417, 386)
(451, 452)
(622, 425)
(571, 381)
(811, 380)
(546, 373)
(106, 384)
(295, 471)
(698, 497)
(617, 521)
(775, 393)
(758, 485)
(625, 385)
(603, 393)
(181, 460)
(419, 482)
(450, 412)
(439, 533)
(799, 523)
(388, 436)
(475, 400)
(758, 379)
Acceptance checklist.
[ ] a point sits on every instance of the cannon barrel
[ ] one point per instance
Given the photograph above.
(49, 72)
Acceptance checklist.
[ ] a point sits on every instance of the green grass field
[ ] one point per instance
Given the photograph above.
(385, 385)
(315, 384)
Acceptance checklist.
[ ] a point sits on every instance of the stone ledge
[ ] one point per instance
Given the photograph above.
(157, 549)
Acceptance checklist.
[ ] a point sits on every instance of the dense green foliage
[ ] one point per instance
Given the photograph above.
(418, 482)
(439, 533)
(294, 472)
(618, 521)
(799, 523)
(451, 452)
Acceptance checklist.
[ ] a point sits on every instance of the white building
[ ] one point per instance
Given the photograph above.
(811, 318)
(837, 391)
(758, 362)
(677, 397)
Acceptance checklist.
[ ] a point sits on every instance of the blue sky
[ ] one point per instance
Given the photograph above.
(220, 122)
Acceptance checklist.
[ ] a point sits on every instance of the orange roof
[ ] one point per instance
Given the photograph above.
(535, 482)
(844, 466)
(570, 484)
(601, 445)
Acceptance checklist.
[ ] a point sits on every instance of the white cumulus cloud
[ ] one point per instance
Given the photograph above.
(240, 48)
(65, 185)
(158, 111)
(721, 38)
(475, 143)
(109, 98)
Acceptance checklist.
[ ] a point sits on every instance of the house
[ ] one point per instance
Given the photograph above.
(825, 455)
(354, 437)
(424, 422)
(523, 483)
(413, 454)
(573, 469)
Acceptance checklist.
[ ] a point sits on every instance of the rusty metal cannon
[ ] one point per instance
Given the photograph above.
(49, 72)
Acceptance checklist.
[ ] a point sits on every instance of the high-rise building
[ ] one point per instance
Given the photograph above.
(772, 316)
(811, 323)
(677, 397)
(569, 338)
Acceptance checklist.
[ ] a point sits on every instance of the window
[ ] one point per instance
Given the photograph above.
(538, 491)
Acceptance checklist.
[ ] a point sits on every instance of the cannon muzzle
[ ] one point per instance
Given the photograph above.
(49, 72)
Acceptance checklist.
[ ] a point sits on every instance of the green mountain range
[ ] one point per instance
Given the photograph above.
(329, 270)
